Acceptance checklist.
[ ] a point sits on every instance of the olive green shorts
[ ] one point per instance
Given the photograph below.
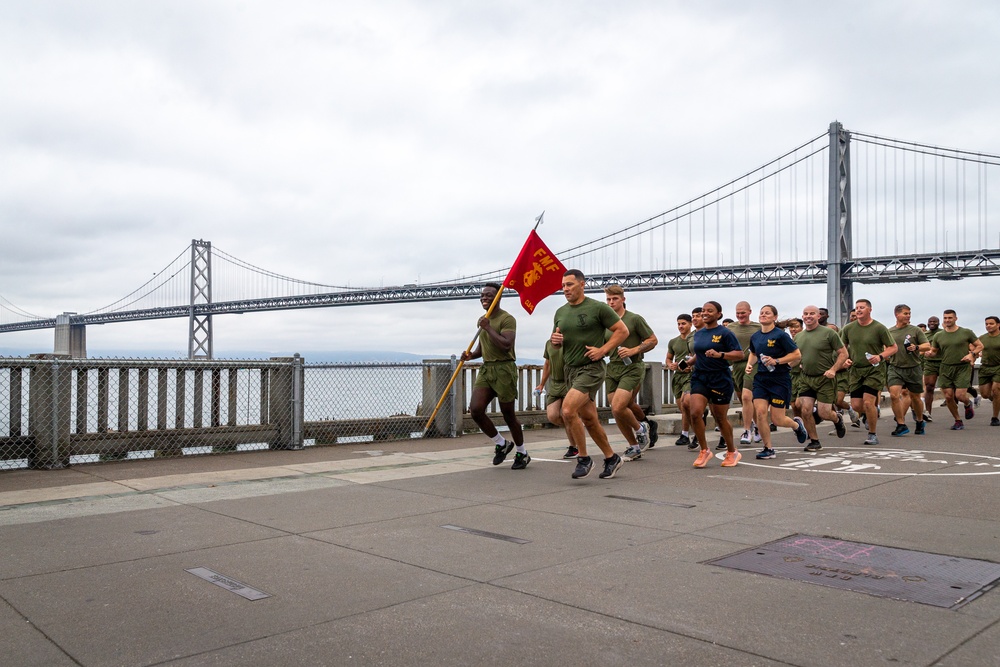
(681, 384)
(620, 376)
(587, 378)
(955, 376)
(500, 377)
(932, 366)
(988, 374)
(554, 391)
(909, 378)
(819, 387)
(872, 377)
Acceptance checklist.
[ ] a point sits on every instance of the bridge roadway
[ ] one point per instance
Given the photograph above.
(351, 546)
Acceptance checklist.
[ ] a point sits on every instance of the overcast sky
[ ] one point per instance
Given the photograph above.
(378, 142)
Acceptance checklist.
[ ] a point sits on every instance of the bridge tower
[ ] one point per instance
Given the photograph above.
(200, 326)
(839, 290)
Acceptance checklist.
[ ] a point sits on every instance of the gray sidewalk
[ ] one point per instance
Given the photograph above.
(424, 553)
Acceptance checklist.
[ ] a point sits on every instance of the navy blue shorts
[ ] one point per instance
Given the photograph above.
(777, 392)
(716, 387)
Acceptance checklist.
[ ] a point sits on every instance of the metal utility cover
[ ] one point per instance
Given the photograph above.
(229, 584)
(900, 574)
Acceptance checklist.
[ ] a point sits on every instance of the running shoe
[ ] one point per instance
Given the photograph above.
(901, 429)
(632, 453)
(756, 435)
(703, 458)
(731, 459)
(969, 412)
(611, 466)
(584, 464)
(841, 430)
(977, 400)
(920, 429)
(745, 438)
(642, 436)
(958, 425)
(813, 446)
(855, 419)
(521, 461)
(653, 435)
(501, 452)
(872, 439)
(766, 453)
(927, 418)
(800, 430)
(773, 427)
(722, 443)
(571, 452)
(694, 443)
(683, 440)
(995, 421)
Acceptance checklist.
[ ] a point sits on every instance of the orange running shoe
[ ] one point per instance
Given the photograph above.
(731, 459)
(703, 458)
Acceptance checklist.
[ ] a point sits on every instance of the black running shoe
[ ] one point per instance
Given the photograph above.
(683, 440)
(501, 452)
(722, 444)
(653, 436)
(571, 452)
(774, 427)
(521, 461)
(839, 425)
(584, 464)
(611, 466)
(813, 446)
(694, 443)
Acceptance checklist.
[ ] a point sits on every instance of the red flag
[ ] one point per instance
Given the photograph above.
(536, 273)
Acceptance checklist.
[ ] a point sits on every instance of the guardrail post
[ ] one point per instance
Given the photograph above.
(652, 386)
(50, 391)
(437, 372)
(285, 391)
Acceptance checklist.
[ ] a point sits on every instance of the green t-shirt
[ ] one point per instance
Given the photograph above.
(953, 345)
(903, 358)
(638, 331)
(872, 338)
(557, 371)
(819, 349)
(583, 325)
(743, 333)
(501, 321)
(991, 349)
(678, 348)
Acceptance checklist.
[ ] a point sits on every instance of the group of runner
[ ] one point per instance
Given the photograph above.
(805, 364)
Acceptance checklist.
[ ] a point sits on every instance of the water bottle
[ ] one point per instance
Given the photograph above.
(537, 393)
(869, 356)
(906, 343)
(768, 366)
(625, 360)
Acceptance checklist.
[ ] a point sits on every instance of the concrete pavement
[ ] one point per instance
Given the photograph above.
(423, 552)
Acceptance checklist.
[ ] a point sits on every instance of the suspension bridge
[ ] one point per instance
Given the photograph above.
(841, 208)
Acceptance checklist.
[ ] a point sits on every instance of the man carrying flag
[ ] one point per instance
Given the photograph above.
(497, 378)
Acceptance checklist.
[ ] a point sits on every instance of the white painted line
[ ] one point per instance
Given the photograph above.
(765, 481)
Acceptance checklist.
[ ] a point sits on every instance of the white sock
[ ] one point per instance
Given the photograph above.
(521, 449)
(685, 433)
(498, 439)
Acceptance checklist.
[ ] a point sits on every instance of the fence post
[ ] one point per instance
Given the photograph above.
(50, 391)
(437, 372)
(652, 386)
(285, 389)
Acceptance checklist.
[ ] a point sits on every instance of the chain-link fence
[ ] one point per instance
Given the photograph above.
(56, 411)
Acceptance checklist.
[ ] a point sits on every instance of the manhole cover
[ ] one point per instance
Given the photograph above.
(901, 574)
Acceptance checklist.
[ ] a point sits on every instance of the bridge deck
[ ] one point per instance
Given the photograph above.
(351, 547)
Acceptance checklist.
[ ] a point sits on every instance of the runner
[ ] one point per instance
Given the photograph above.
(679, 349)
(989, 371)
(868, 345)
(697, 325)
(773, 351)
(957, 348)
(743, 329)
(932, 366)
(712, 382)
(905, 378)
(823, 356)
(553, 383)
(497, 379)
(578, 327)
(625, 373)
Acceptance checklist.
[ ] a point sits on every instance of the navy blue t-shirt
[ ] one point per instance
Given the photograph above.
(775, 343)
(717, 338)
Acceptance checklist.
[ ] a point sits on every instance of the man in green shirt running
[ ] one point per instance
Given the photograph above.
(743, 383)
(497, 379)
(823, 355)
(625, 373)
(678, 350)
(868, 345)
(957, 348)
(932, 366)
(578, 328)
(989, 372)
(905, 376)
